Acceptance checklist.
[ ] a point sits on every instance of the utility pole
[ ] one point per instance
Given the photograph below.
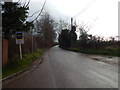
(71, 23)
(71, 30)
(20, 51)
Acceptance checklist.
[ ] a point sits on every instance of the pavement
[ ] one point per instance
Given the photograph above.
(66, 69)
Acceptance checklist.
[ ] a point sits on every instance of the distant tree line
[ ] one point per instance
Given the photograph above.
(67, 38)
(95, 42)
(44, 27)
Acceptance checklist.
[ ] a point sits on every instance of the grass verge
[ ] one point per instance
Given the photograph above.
(19, 64)
(109, 52)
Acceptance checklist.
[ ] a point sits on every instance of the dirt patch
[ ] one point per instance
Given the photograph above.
(107, 59)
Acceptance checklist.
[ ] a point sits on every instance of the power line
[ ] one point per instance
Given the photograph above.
(84, 9)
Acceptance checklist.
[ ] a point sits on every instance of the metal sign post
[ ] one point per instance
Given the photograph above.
(20, 40)
(20, 51)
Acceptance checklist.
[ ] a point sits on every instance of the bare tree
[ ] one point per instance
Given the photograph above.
(45, 27)
(62, 25)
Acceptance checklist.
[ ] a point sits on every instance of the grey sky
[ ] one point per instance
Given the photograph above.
(102, 15)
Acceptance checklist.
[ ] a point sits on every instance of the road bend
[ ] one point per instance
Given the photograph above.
(65, 69)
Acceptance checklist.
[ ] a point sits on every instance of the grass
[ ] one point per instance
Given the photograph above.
(109, 52)
(19, 64)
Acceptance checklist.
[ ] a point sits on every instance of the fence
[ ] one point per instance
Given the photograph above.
(11, 49)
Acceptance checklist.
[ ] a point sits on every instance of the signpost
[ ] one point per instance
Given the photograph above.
(20, 40)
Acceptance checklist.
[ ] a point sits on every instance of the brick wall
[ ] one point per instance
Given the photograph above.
(4, 52)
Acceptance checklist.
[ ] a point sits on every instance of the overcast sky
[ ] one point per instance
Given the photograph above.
(101, 15)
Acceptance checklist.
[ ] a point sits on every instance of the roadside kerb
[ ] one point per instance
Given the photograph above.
(16, 74)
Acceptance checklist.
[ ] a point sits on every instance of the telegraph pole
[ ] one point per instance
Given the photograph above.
(71, 29)
(71, 22)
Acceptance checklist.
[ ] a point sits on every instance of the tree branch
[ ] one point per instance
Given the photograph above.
(18, 1)
(40, 11)
(28, 3)
(34, 13)
(24, 4)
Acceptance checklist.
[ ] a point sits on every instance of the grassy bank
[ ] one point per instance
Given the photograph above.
(19, 64)
(109, 52)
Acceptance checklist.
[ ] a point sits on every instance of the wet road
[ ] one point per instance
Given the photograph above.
(66, 69)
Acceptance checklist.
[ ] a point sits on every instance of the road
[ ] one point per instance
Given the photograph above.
(66, 69)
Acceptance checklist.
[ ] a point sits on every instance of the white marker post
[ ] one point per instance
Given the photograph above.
(20, 40)
(20, 51)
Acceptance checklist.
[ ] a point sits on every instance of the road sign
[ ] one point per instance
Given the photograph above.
(19, 38)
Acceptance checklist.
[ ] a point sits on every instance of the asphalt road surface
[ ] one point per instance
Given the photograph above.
(66, 69)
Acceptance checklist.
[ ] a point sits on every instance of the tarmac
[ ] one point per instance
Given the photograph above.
(102, 58)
